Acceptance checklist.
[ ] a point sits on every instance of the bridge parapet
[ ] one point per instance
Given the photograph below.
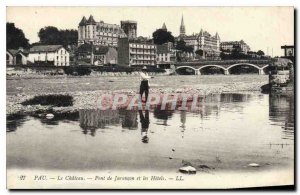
(226, 65)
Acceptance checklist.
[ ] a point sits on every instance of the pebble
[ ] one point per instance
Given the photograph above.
(253, 165)
(49, 116)
(188, 169)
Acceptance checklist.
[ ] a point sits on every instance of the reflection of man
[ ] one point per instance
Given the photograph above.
(144, 125)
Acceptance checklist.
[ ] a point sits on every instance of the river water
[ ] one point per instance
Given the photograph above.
(229, 132)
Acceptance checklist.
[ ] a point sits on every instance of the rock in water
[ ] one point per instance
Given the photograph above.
(253, 165)
(188, 169)
(49, 116)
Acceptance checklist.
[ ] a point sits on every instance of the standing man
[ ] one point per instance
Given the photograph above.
(144, 87)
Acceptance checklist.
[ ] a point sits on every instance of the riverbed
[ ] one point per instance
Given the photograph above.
(87, 89)
(238, 132)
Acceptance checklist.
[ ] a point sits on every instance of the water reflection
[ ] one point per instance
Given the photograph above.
(13, 121)
(281, 112)
(144, 119)
(183, 121)
(235, 97)
(163, 115)
(91, 120)
(129, 119)
(228, 132)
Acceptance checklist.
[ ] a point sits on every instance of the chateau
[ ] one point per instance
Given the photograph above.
(99, 33)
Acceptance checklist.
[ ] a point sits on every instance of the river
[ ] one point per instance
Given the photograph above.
(228, 133)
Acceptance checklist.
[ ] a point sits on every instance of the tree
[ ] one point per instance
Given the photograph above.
(51, 35)
(199, 52)
(69, 37)
(181, 45)
(15, 37)
(260, 53)
(189, 49)
(161, 36)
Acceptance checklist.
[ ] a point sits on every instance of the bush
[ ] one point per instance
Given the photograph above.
(54, 100)
(77, 70)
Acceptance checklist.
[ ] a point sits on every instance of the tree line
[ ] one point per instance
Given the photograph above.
(49, 35)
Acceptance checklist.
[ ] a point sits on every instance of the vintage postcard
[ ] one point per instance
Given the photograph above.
(150, 97)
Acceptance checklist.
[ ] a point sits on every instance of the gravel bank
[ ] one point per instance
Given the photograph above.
(86, 90)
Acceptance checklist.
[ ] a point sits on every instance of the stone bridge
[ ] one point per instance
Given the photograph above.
(224, 65)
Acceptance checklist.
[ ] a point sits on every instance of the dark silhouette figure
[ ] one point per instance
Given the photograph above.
(144, 87)
(144, 125)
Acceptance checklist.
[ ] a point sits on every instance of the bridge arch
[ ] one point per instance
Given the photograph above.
(206, 69)
(233, 68)
(266, 66)
(212, 66)
(195, 71)
(241, 64)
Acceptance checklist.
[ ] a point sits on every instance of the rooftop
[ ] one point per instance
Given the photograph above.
(87, 48)
(45, 48)
(128, 21)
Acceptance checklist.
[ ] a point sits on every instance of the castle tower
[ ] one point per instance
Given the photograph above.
(81, 29)
(91, 28)
(130, 28)
(182, 28)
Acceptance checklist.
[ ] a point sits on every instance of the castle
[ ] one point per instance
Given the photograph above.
(99, 33)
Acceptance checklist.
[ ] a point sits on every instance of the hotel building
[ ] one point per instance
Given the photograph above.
(202, 40)
(135, 52)
(231, 45)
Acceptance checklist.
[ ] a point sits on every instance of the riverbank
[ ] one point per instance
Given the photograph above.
(86, 89)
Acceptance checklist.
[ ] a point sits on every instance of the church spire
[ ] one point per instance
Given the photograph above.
(182, 27)
(164, 27)
(182, 23)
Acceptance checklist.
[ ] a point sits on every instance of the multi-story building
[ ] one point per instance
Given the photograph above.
(210, 45)
(134, 52)
(55, 55)
(130, 28)
(239, 45)
(165, 54)
(96, 55)
(99, 33)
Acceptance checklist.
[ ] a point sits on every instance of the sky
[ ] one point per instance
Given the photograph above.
(262, 28)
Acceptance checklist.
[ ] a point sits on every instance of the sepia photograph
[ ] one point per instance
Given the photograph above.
(150, 97)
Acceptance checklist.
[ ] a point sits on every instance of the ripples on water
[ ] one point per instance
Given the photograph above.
(228, 132)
